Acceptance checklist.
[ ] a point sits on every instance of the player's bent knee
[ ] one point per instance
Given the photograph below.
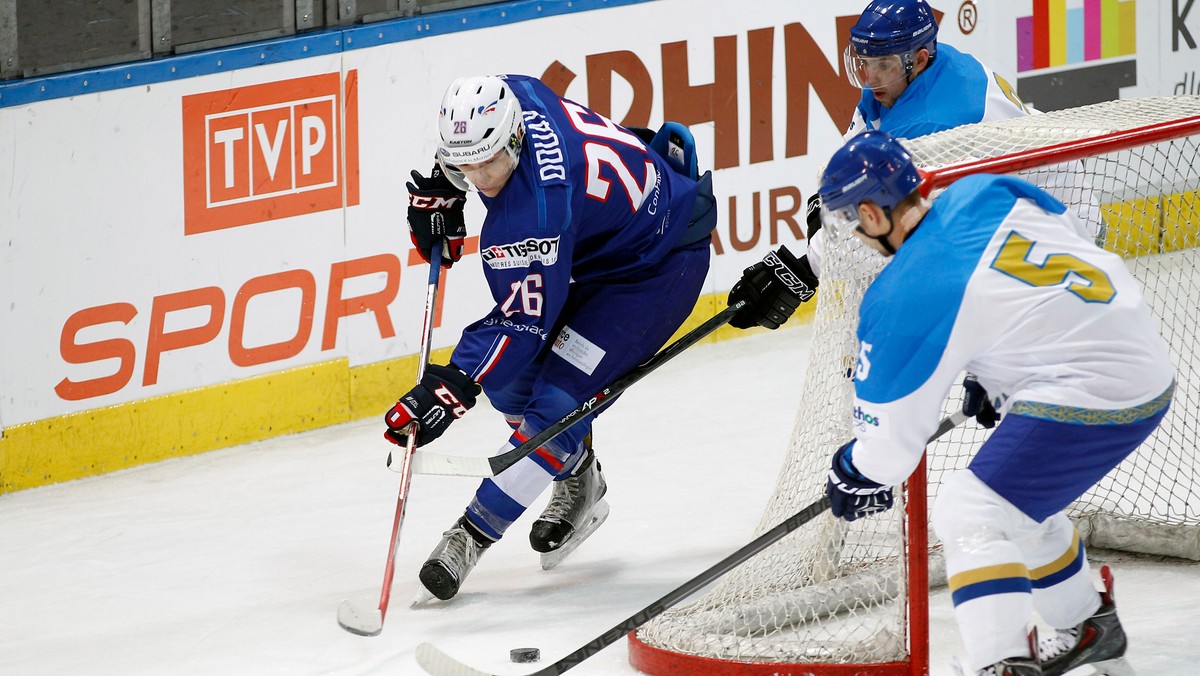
(967, 511)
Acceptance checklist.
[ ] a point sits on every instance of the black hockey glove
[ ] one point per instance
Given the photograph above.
(772, 288)
(812, 215)
(977, 404)
(443, 396)
(852, 495)
(435, 212)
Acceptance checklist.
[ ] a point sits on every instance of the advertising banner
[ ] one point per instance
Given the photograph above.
(247, 218)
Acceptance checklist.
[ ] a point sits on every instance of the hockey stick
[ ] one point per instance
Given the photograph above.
(370, 622)
(426, 462)
(435, 661)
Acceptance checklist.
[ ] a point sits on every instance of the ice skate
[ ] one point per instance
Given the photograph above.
(1010, 666)
(575, 511)
(1095, 647)
(1013, 666)
(452, 560)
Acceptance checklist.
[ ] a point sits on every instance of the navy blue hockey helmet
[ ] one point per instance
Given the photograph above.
(894, 27)
(872, 166)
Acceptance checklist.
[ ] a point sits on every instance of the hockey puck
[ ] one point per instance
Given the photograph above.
(525, 654)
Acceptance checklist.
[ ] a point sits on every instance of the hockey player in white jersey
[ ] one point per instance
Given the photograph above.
(996, 277)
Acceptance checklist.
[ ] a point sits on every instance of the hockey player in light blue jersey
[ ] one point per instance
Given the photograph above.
(912, 86)
(595, 247)
(996, 277)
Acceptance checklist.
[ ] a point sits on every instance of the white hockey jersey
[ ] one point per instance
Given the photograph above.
(998, 280)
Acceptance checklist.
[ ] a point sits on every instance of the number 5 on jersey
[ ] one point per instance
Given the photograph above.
(1089, 282)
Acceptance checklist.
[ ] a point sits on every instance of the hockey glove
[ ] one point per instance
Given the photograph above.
(443, 396)
(852, 495)
(435, 213)
(772, 288)
(813, 215)
(977, 404)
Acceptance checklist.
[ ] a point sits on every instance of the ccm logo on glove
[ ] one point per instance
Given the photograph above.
(433, 202)
(444, 395)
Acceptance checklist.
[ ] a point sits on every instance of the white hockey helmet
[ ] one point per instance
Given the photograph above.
(480, 118)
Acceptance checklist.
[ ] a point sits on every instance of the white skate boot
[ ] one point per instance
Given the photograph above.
(1009, 666)
(453, 559)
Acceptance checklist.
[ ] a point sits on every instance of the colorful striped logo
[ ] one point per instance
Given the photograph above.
(1088, 30)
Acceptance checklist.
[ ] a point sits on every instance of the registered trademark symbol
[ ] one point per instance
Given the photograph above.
(968, 16)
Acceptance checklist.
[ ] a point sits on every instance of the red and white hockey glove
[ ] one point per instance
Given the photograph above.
(852, 495)
(443, 396)
(435, 213)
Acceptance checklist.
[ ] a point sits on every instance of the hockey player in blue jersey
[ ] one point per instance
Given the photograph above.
(595, 247)
(997, 277)
(914, 86)
(911, 86)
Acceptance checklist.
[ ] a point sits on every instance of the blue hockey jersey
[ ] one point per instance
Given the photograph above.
(588, 201)
(955, 89)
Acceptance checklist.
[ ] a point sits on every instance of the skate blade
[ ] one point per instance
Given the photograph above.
(599, 514)
(1114, 667)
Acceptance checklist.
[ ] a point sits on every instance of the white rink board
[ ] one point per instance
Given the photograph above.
(92, 211)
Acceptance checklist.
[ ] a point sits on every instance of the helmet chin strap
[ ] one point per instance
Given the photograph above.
(909, 58)
(883, 239)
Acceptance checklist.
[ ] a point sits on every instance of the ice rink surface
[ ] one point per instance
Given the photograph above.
(234, 562)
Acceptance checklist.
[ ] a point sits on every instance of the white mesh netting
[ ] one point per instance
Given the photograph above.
(834, 592)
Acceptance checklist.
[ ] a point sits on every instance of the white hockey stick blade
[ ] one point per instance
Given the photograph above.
(422, 597)
(426, 462)
(553, 558)
(434, 661)
(357, 621)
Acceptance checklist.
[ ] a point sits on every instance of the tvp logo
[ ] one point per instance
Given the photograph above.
(268, 151)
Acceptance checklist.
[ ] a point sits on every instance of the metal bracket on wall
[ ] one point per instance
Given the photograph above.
(304, 15)
(160, 26)
(10, 64)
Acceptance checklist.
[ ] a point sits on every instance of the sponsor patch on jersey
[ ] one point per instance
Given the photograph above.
(577, 350)
(521, 254)
(518, 328)
(870, 423)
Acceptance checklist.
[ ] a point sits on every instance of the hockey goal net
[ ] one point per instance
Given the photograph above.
(838, 598)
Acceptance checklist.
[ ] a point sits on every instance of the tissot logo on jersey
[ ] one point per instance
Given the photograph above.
(521, 254)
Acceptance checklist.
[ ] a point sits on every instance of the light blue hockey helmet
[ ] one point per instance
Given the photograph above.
(889, 27)
(872, 166)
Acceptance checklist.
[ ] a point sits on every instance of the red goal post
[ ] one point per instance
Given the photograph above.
(835, 599)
